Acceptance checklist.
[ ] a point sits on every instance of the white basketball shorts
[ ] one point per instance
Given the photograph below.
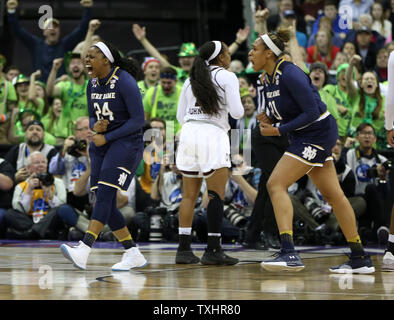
(203, 148)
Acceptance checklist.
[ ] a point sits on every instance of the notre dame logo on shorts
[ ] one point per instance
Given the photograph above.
(122, 179)
(309, 153)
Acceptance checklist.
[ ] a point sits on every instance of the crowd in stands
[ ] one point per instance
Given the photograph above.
(44, 127)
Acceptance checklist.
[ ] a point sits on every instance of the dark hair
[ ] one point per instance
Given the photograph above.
(131, 66)
(363, 125)
(331, 3)
(280, 37)
(168, 70)
(201, 81)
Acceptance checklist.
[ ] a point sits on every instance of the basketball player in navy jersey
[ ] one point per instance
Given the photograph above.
(117, 116)
(295, 103)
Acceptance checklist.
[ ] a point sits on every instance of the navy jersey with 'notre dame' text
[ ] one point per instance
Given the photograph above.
(117, 99)
(296, 104)
(291, 98)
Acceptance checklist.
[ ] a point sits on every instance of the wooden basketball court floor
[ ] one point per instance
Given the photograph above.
(36, 270)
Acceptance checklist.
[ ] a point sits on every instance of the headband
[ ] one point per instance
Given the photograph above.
(270, 44)
(218, 48)
(105, 50)
(168, 76)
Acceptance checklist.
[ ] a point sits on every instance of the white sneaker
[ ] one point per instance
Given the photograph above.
(132, 258)
(388, 261)
(77, 255)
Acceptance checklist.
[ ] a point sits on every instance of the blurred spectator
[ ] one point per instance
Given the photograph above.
(369, 103)
(354, 8)
(382, 59)
(345, 104)
(323, 50)
(34, 203)
(151, 69)
(162, 100)
(44, 50)
(7, 173)
(379, 23)
(338, 26)
(154, 153)
(340, 58)
(349, 48)
(288, 17)
(325, 24)
(18, 154)
(72, 161)
(73, 91)
(311, 9)
(363, 38)
(318, 74)
(11, 72)
(55, 124)
(236, 66)
(8, 99)
(370, 169)
(274, 20)
(19, 123)
(248, 121)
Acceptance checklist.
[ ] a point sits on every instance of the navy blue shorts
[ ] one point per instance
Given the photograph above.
(115, 163)
(313, 145)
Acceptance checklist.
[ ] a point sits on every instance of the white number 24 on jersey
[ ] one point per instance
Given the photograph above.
(104, 111)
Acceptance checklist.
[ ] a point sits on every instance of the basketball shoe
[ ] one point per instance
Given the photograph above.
(132, 258)
(217, 257)
(388, 261)
(284, 261)
(356, 264)
(77, 255)
(186, 257)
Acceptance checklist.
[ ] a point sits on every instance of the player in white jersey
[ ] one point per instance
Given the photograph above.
(207, 97)
(388, 259)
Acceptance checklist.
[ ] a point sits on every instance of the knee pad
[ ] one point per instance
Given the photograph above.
(213, 195)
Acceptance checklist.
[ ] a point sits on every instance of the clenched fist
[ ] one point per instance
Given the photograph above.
(101, 126)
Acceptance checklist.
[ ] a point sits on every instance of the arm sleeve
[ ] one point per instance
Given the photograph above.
(297, 85)
(28, 39)
(182, 104)
(132, 98)
(233, 97)
(20, 200)
(78, 34)
(56, 166)
(389, 111)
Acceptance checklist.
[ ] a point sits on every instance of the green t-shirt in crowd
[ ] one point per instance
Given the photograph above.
(160, 105)
(377, 124)
(343, 99)
(330, 102)
(60, 127)
(7, 93)
(74, 100)
(30, 105)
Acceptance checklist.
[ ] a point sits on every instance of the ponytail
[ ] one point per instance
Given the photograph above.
(201, 81)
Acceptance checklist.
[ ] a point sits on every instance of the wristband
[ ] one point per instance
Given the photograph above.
(237, 43)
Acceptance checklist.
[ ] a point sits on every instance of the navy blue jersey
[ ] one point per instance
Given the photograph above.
(117, 99)
(292, 99)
